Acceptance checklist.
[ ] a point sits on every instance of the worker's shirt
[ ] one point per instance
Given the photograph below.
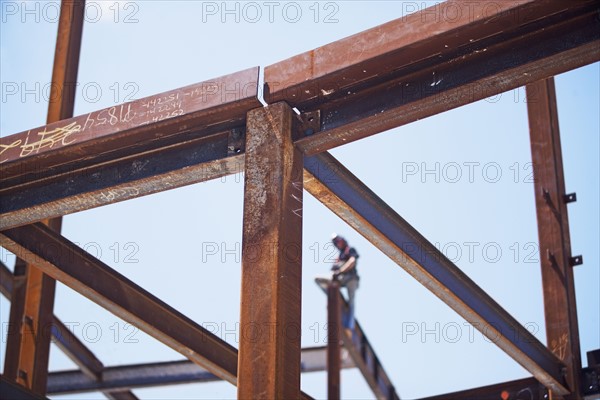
(345, 255)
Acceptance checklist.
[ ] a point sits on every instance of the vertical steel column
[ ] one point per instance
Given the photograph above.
(334, 322)
(269, 355)
(553, 230)
(28, 342)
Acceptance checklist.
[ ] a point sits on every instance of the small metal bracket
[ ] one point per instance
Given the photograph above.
(570, 198)
(576, 260)
(236, 142)
(548, 199)
(307, 124)
(22, 375)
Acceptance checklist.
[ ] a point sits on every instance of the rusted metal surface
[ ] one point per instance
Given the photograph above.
(333, 185)
(334, 340)
(67, 263)
(64, 261)
(420, 65)
(142, 125)
(562, 332)
(269, 358)
(362, 353)
(33, 300)
(64, 339)
(125, 377)
(169, 168)
(521, 389)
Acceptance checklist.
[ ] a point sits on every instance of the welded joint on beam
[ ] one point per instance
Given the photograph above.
(570, 198)
(307, 124)
(236, 141)
(575, 261)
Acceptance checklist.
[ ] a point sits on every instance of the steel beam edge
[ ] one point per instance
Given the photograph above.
(379, 85)
(506, 390)
(334, 186)
(124, 377)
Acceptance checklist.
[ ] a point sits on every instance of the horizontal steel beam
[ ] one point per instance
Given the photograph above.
(432, 61)
(172, 139)
(168, 168)
(158, 374)
(130, 127)
(67, 263)
(526, 389)
(339, 190)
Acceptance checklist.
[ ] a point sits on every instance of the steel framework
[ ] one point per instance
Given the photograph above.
(343, 91)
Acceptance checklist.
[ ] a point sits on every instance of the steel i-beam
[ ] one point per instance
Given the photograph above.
(551, 199)
(269, 352)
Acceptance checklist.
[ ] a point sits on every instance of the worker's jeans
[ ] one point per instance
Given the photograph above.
(350, 282)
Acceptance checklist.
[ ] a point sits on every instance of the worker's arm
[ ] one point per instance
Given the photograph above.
(347, 266)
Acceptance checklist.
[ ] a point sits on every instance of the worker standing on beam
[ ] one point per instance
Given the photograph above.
(345, 272)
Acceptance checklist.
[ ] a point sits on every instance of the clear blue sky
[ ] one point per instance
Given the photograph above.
(485, 222)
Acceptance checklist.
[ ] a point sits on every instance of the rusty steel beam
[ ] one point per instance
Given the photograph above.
(63, 337)
(364, 357)
(432, 61)
(269, 359)
(65, 340)
(521, 389)
(334, 327)
(64, 261)
(67, 263)
(125, 377)
(86, 161)
(28, 345)
(560, 309)
(339, 190)
(167, 168)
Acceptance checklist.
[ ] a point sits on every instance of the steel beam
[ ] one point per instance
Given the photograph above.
(432, 61)
(67, 263)
(334, 327)
(64, 261)
(522, 389)
(269, 360)
(562, 332)
(64, 339)
(28, 345)
(12, 391)
(365, 359)
(332, 184)
(168, 168)
(86, 162)
(159, 374)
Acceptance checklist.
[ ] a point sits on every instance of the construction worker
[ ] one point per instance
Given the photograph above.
(345, 272)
